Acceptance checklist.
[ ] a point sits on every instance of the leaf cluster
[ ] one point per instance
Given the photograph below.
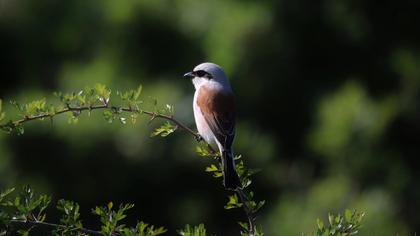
(110, 220)
(29, 209)
(26, 210)
(74, 104)
(340, 225)
(164, 130)
(25, 206)
(242, 198)
(199, 230)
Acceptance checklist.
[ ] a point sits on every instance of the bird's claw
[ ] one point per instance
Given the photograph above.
(199, 138)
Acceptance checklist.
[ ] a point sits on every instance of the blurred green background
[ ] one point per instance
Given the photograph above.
(328, 107)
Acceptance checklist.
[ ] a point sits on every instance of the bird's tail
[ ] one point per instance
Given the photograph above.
(230, 176)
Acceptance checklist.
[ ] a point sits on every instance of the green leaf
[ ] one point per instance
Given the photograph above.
(169, 109)
(339, 225)
(12, 128)
(108, 116)
(258, 231)
(199, 230)
(331, 218)
(243, 225)
(17, 106)
(137, 93)
(73, 118)
(97, 211)
(259, 205)
(110, 220)
(133, 118)
(81, 98)
(233, 202)
(203, 150)
(348, 215)
(70, 216)
(5, 193)
(103, 93)
(165, 130)
(123, 120)
(145, 229)
(36, 107)
(216, 171)
(212, 168)
(320, 224)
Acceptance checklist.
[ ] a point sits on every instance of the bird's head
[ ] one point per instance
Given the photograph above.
(207, 73)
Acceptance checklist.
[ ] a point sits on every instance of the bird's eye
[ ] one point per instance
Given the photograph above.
(202, 73)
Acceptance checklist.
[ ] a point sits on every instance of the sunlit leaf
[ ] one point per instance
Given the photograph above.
(165, 130)
(188, 230)
(137, 93)
(108, 116)
(233, 202)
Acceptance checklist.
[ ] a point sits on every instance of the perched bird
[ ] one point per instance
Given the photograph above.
(214, 113)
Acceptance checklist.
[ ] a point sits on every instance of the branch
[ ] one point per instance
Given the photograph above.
(103, 93)
(31, 223)
(248, 212)
(176, 122)
(106, 106)
(68, 109)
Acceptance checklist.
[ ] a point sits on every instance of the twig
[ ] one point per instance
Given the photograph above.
(51, 225)
(249, 213)
(68, 109)
(105, 106)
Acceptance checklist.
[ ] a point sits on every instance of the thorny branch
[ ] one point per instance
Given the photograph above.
(56, 226)
(244, 199)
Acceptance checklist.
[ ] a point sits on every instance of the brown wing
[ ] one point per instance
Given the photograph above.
(218, 109)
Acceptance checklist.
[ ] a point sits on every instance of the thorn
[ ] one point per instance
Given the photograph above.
(153, 117)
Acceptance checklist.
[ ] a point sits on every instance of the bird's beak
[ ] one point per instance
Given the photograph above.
(189, 75)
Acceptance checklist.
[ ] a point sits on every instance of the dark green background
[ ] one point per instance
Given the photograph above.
(328, 107)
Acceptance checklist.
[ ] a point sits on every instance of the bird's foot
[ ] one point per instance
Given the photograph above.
(199, 138)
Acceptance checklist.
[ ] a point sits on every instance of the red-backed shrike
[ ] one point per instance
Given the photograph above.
(214, 113)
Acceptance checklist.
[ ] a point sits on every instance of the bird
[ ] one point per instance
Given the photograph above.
(214, 114)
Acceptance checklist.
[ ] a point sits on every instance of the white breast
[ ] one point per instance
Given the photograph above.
(202, 127)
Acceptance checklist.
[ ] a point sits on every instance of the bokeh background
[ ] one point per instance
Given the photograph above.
(328, 107)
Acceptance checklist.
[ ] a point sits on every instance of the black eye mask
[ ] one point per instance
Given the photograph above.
(202, 73)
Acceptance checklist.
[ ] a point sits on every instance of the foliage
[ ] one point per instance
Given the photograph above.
(88, 99)
(28, 209)
(99, 97)
(303, 56)
(26, 206)
(241, 198)
(340, 225)
(70, 218)
(110, 222)
(193, 230)
(164, 130)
